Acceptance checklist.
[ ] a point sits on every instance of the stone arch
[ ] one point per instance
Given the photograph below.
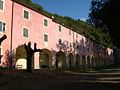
(99, 62)
(45, 58)
(71, 60)
(102, 61)
(21, 58)
(77, 61)
(96, 61)
(60, 60)
(83, 61)
(92, 61)
(88, 61)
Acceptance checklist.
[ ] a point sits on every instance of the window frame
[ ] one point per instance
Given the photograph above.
(60, 28)
(46, 25)
(44, 38)
(59, 41)
(24, 14)
(3, 27)
(3, 6)
(23, 32)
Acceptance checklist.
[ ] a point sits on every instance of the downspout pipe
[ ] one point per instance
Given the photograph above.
(11, 58)
(12, 26)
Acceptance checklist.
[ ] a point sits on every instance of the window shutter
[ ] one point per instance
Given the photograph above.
(1, 5)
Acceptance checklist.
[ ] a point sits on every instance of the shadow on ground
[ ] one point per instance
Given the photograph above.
(107, 79)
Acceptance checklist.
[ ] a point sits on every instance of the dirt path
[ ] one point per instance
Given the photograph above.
(108, 79)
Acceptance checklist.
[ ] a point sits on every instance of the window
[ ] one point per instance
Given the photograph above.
(76, 35)
(77, 46)
(45, 38)
(88, 49)
(2, 26)
(45, 22)
(60, 28)
(60, 42)
(26, 14)
(70, 44)
(25, 32)
(70, 32)
(1, 5)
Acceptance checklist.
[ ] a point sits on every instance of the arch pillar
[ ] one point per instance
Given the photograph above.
(36, 60)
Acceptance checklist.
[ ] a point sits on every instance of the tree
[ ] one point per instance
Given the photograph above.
(30, 52)
(3, 38)
(105, 14)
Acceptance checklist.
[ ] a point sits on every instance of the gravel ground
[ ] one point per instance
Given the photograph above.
(107, 79)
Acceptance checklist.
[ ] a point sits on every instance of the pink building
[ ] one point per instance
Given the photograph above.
(61, 46)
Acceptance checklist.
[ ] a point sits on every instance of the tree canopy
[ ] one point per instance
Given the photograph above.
(105, 14)
(88, 30)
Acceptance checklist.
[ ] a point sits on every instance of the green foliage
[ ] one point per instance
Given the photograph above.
(105, 14)
(79, 26)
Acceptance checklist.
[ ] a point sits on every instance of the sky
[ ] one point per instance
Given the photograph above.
(76, 9)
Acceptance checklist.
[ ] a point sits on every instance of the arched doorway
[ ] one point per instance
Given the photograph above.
(71, 60)
(83, 61)
(21, 64)
(99, 62)
(60, 60)
(96, 62)
(45, 58)
(88, 61)
(92, 61)
(21, 58)
(77, 61)
(102, 62)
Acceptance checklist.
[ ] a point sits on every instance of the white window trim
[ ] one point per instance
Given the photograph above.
(3, 6)
(5, 26)
(43, 37)
(28, 32)
(28, 15)
(47, 22)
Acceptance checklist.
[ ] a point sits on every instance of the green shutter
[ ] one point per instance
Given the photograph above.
(60, 28)
(45, 22)
(4, 25)
(45, 38)
(60, 42)
(25, 32)
(1, 5)
(26, 14)
(0, 26)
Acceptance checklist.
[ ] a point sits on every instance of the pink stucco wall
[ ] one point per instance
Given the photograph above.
(5, 16)
(80, 45)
